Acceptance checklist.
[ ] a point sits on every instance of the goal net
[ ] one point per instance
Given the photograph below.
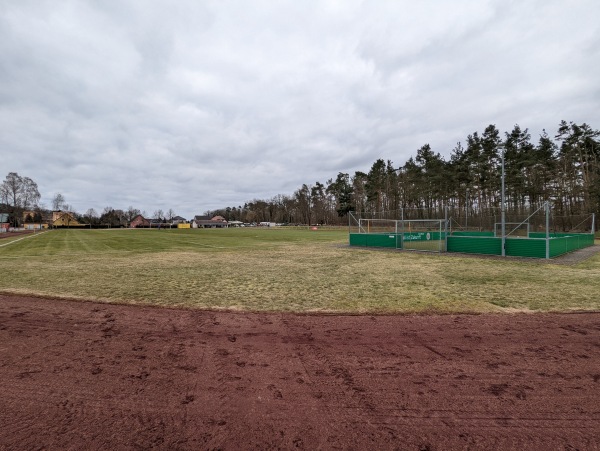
(423, 235)
(512, 229)
(377, 225)
(410, 234)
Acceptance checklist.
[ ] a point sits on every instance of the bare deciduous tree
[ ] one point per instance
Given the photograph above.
(18, 194)
(132, 213)
(30, 194)
(58, 201)
(91, 214)
(12, 189)
(170, 214)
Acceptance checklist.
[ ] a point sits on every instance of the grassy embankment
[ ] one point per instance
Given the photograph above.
(283, 270)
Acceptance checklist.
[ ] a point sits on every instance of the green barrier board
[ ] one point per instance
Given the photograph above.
(475, 245)
(525, 247)
(392, 239)
(480, 244)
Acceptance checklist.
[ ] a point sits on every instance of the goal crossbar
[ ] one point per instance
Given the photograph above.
(510, 228)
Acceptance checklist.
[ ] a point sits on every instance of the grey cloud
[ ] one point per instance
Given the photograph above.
(198, 105)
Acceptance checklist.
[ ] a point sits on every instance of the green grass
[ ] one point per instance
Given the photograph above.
(4, 241)
(283, 270)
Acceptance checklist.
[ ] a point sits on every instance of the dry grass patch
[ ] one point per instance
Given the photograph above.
(255, 270)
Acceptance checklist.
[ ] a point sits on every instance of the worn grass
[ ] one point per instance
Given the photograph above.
(283, 270)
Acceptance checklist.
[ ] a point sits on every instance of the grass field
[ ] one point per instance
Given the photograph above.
(283, 270)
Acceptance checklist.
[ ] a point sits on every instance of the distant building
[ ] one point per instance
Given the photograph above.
(139, 221)
(64, 219)
(178, 220)
(28, 215)
(206, 222)
(56, 214)
(4, 225)
(33, 219)
(34, 226)
(158, 223)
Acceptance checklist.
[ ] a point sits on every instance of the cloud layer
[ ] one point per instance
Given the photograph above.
(198, 105)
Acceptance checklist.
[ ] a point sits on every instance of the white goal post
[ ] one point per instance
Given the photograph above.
(512, 229)
(412, 234)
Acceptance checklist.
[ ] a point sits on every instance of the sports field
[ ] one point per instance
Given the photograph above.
(96, 375)
(296, 270)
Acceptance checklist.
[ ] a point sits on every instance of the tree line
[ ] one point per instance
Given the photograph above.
(112, 217)
(563, 169)
(20, 199)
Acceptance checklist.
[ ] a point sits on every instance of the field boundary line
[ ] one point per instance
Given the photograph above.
(25, 237)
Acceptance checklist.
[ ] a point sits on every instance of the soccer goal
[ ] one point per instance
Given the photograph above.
(409, 234)
(423, 235)
(512, 229)
(366, 225)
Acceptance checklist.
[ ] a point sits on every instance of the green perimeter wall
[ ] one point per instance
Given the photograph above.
(525, 247)
(393, 240)
(533, 247)
(475, 245)
(515, 247)
(422, 236)
(374, 239)
(562, 245)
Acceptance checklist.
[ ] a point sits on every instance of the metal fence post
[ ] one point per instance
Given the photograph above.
(402, 230)
(547, 230)
(446, 228)
(503, 219)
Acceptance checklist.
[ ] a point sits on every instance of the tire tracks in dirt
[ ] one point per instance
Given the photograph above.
(90, 375)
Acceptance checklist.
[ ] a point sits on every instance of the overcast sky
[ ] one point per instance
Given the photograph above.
(195, 105)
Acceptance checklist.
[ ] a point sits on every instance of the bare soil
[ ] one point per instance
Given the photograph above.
(82, 375)
(572, 258)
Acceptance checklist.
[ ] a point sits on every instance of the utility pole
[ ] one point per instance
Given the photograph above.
(467, 210)
(547, 230)
(503, 220)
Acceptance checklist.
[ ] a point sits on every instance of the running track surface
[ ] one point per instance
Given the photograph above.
(82, 375)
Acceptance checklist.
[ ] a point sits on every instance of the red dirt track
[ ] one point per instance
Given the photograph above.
(82, 375)
(11, 234)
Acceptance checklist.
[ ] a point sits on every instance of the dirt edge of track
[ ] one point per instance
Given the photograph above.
(84, 375)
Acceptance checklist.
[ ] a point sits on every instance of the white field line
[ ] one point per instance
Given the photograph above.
(24, 238)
